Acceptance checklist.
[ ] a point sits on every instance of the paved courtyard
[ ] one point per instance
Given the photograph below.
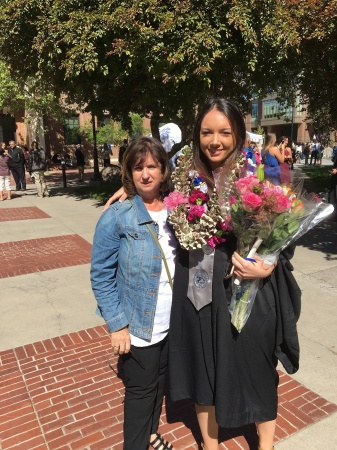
(59, 386)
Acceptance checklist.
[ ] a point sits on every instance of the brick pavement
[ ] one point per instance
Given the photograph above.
(60, 393)
(36, 255)
(23, 213)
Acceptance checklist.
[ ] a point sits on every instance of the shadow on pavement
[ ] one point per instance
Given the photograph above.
(323, 237)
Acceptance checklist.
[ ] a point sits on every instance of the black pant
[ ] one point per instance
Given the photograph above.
(144, 391)
(19, 176)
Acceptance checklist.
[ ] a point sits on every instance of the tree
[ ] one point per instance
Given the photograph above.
(18, 94)
(158, 59)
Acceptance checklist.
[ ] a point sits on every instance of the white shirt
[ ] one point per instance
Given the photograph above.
(164, 301)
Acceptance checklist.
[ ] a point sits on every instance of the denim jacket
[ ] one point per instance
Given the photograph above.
(125, 268)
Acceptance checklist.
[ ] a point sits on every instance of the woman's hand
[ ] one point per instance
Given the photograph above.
(118, 195)
(121, 341)
(250, 270)
(278, 152)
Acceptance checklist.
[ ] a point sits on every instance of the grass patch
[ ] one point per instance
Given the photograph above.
(318, 178)
(101, 190)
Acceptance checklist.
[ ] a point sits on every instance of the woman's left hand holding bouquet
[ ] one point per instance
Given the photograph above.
(249, 270)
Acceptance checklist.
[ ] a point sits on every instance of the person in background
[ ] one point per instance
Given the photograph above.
(131, 284)
(287, 150)
(80, 162)
(106, 155)
(17, 166)
(248, 150)
(257, 153)
(122, 150)
(5, 179)
(26, 160)
(37, 167)
(272, 157)
(320, 150)
(306, 152)
(313, 154)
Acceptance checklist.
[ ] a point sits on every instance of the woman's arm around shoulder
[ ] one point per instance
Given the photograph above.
(118, 195)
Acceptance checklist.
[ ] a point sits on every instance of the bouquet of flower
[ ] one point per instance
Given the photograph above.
(267, 218)
(194, 213)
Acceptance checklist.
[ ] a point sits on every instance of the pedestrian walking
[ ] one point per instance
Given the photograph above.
(80, 162)
(5, 179)
(37, 166)
(17, 166)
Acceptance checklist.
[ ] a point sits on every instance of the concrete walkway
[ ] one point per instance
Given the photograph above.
(57, 390)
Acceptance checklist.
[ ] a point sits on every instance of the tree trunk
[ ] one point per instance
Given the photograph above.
(154, 123)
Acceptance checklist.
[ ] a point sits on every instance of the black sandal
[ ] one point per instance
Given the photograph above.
(159, 443)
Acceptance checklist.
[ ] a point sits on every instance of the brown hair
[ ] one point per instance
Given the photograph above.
(232, 112)
(137, 152)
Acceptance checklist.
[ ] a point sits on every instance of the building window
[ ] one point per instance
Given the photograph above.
(72, 135)
(254, 113)
(273, 109)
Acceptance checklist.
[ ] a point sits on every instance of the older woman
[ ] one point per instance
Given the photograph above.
(132, 287)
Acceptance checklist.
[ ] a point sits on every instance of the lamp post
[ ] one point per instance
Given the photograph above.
(96, 176)
(292, 123)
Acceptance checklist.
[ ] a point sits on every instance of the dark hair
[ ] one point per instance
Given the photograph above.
(2, 151)
(137, 152)
(283, 139)
(232, 112)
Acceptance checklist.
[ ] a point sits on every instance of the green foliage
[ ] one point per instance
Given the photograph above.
(72, 136)
(11, 94)
(101, 191)
(137, 126)
(260, 130)
(113, 132)
(162, 59)
(318, 178)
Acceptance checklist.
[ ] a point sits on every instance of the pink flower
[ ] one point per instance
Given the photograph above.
(215, 240)
(225, 226)
(282, 203)
(174, 199)
(246, 184)
(251, 201)
(197, 197)
(275, 200)
(232, 200)
(195, 212)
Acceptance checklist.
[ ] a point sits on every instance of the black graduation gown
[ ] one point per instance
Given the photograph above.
(211, 364)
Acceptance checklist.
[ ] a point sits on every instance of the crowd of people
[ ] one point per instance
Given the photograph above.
(311, 152)
(18, 161)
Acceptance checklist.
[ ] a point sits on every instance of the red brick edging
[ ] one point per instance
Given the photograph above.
(61, 394)
(37, 255)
